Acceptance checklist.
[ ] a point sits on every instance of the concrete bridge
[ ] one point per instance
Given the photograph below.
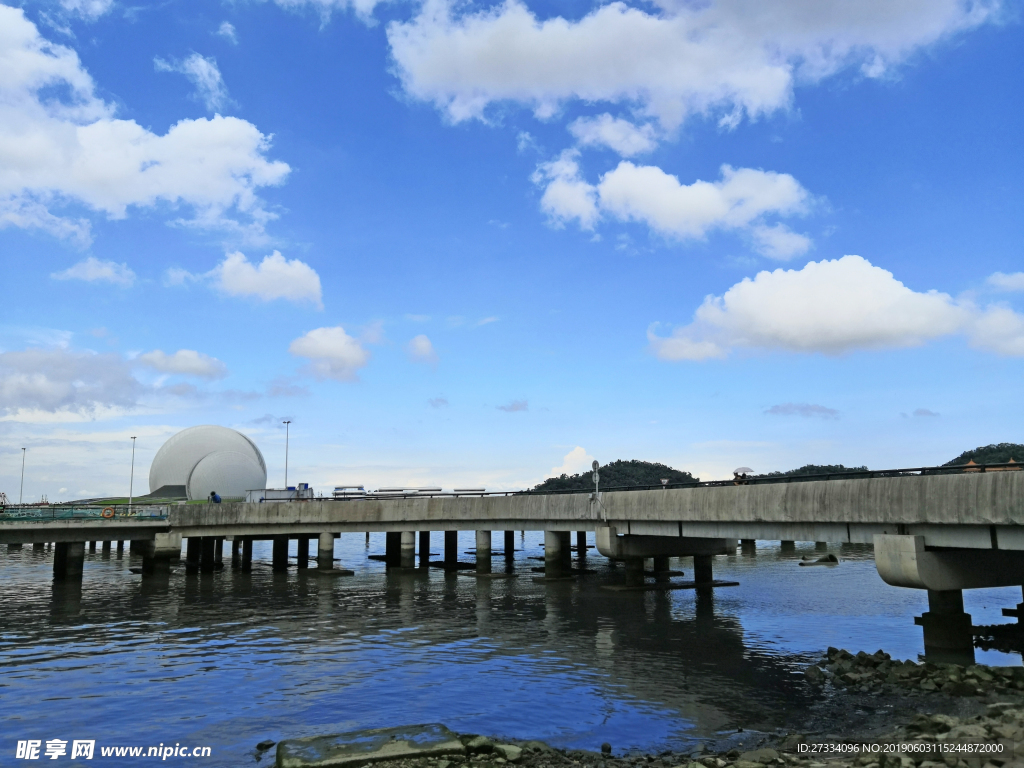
(933, 530)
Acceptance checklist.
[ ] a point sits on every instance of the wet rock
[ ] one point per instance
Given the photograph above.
(511, 753)
(815, 674)
(760, 756)
(477, 745)
(266, 744)
(606, 748)
(368, 746)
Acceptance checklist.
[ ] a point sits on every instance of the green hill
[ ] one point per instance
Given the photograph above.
(998, 453)
(617, 474)
(815, 469)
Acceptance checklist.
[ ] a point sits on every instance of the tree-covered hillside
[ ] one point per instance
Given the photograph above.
(617, 474)
(999, 453)
(815, 469)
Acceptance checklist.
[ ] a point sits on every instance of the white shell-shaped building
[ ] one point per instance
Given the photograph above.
(206, 459)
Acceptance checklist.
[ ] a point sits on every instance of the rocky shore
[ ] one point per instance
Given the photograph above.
(950, 717)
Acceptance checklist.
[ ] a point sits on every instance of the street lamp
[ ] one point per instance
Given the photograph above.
(21, 491)
(131, 481)
(286, 433)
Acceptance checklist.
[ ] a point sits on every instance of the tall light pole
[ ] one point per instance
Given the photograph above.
(286, 434)
(21, 492)
(131, 481)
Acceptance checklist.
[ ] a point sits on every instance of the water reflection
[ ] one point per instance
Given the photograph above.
(230, 658)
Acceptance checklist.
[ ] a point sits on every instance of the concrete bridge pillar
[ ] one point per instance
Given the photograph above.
(451, 549)
(120, 547)
(703, 573)
(92, 546)
(193, 552)
(218, 553)
(661, 568)
(581, 544)
(787, 547)
(246, 554)
(393, 549)
(947, 629)
(565, 537)
(634, 571)
(236, 553)
(325, 552)
(106, 548)
(483, 551)
(135, 547)
(39, 546)
(553, 558)
(424, 549)
(207, 561)
(12, 547)
(821, 546)
(407, 553)
(68, 560)
(280, 559)
(510, 545)
(164, 549)
(748, 546)
(303, 552)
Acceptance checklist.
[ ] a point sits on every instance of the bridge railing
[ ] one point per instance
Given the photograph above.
(113, 513)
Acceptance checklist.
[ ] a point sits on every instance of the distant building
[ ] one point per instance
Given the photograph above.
(208, 459)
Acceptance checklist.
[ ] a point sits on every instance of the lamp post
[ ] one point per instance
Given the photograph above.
(21, 491)
(131, 481)
(286, 434)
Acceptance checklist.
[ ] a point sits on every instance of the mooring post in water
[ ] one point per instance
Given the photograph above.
(483, 551)
(424, 548)
(407, 551)
(68, 560)
(552, 555)
(303, 554)
(948, 634)
(280, 559)
(325, 552)
(451, 549)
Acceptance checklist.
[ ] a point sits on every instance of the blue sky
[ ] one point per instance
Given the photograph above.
(471, 244)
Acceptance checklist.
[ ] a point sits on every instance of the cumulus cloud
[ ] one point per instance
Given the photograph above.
(832, 307)
(514, 406)
(90, 10)
(362, 8)
(62, 380)
(614, 133)
(60, 145)
(421, 350)
(574, 462)
(186, 362)
(332, 353)
(1010, 283)
(204, 74)
(273, 278)
(807, 410)
(93, 270)
(227, 31)
(740, 200)
(727, 58)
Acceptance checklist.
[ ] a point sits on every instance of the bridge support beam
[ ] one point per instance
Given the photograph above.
(483, 551)
(207, 561)
(424, 548)
(106, 548)
(451, 550)
(120, 548)
(280, 559)
(661, 569)
(68, 560)
(393, 549)
(948, 635)
(325, 552)
(92, 546)
(303, 552)
(407, 554)
(246, 554)
(236, 553)
(193, 551)
(581, 544)
(553, 557)
(510, 545)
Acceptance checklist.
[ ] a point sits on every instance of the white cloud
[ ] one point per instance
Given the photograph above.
(832, 307)
(1010, 283)
(87, 9)
(362, 8)
(739, 201)
(186, 362)
(63, 150)
(331, 352)
(573, 463)
(515, 406)
(421, 350)
(227, 31)
(205, 76)
(727, 58)
(615, 133)
(93, 270)
(807, 410)
(175, 276)
(273, 278)
(63, 381)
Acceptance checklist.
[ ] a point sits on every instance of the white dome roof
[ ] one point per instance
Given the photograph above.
(229, 473)
(178, 457)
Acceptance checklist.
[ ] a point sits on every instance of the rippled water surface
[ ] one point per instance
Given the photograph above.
(229, 659)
